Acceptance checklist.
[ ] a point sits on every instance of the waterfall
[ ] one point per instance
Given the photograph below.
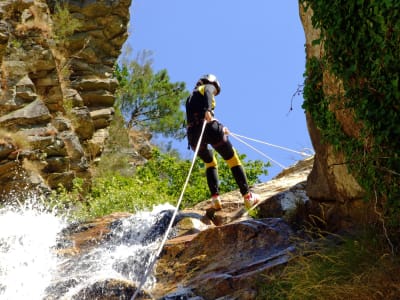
(27, 234)
(31, 269)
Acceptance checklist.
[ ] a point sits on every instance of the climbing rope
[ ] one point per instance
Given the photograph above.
(241, 137)
(272, 145)
(151, 265)
(258, 151)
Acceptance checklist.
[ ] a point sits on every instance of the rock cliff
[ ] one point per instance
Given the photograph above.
(334, 192)
(56, 88)
(57, 96)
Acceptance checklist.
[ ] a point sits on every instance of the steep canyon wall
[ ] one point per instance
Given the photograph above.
(56, 88)
(336, 196)
(57, 96)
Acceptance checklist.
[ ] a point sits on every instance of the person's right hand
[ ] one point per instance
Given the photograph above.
(208, 116)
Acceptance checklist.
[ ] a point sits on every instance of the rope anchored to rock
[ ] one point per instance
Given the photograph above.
(164, 240)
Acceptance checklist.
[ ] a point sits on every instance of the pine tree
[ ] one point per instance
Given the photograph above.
(149, 100)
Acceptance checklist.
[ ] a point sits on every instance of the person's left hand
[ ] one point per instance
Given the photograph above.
(226, 130)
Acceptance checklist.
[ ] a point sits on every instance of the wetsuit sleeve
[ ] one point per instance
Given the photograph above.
(209, 94)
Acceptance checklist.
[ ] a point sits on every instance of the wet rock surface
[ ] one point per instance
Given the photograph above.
(208, 255)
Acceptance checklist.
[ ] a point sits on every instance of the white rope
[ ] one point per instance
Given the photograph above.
(149, 269)
(263, 154)
(269, 144)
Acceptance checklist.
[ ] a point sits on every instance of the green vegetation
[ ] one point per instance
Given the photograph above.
(64, 24)
(159, 181)
(115, 159)
(120, 184)
(336, 268)
(149, 100)
(360, 41)
(171, 173)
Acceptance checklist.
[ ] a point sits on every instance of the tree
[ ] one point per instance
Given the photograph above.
(149, 100)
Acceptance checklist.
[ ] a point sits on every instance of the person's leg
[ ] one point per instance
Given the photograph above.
(229, 154)
(207, 156)
(220, 142)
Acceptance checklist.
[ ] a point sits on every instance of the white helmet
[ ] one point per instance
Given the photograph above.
(210, 78)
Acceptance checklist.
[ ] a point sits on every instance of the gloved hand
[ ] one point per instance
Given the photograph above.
(226, 130)
(209, 117)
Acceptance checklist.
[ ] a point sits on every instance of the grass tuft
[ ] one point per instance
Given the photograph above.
(356, 267)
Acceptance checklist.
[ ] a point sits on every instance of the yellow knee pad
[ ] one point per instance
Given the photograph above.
(234, 160)
(213, 163)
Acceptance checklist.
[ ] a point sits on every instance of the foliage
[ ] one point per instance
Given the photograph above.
(112, 193)
(336, 268)
(115, 158)
(149, 100)
(360, 41)
(64, 24)
(67, 202)
(170, 173)
(121, 193)
(160, 180)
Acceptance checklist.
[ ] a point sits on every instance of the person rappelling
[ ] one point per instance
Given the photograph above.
(199, 109)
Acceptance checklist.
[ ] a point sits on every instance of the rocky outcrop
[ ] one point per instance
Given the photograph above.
(226, 260)
(336, 196)
(209, 255)
(56, 87)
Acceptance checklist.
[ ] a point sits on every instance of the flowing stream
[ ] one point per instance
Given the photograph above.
(31, 269)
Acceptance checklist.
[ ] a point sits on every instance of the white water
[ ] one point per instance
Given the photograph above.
(31, 269)
(27, 235)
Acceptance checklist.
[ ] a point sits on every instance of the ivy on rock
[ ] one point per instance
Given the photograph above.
(361, 48)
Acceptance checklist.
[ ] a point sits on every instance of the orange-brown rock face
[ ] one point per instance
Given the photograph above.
(224, 260)
(56, 86)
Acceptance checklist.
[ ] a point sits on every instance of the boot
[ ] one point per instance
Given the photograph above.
(216, 202)
(251, 199)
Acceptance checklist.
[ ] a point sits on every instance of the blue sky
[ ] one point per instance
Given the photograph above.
(255, 48)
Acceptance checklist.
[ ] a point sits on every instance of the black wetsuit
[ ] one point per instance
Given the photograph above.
(200, 101)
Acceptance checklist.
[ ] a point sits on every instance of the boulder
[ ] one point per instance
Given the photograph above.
(220, 261)
(25, 89)
(56, 164)
(102, 117)
(95, 145)
(83, 123)
(32, 114)
(62, 123)
(111, 289)
(55, 180)
(51, 145)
